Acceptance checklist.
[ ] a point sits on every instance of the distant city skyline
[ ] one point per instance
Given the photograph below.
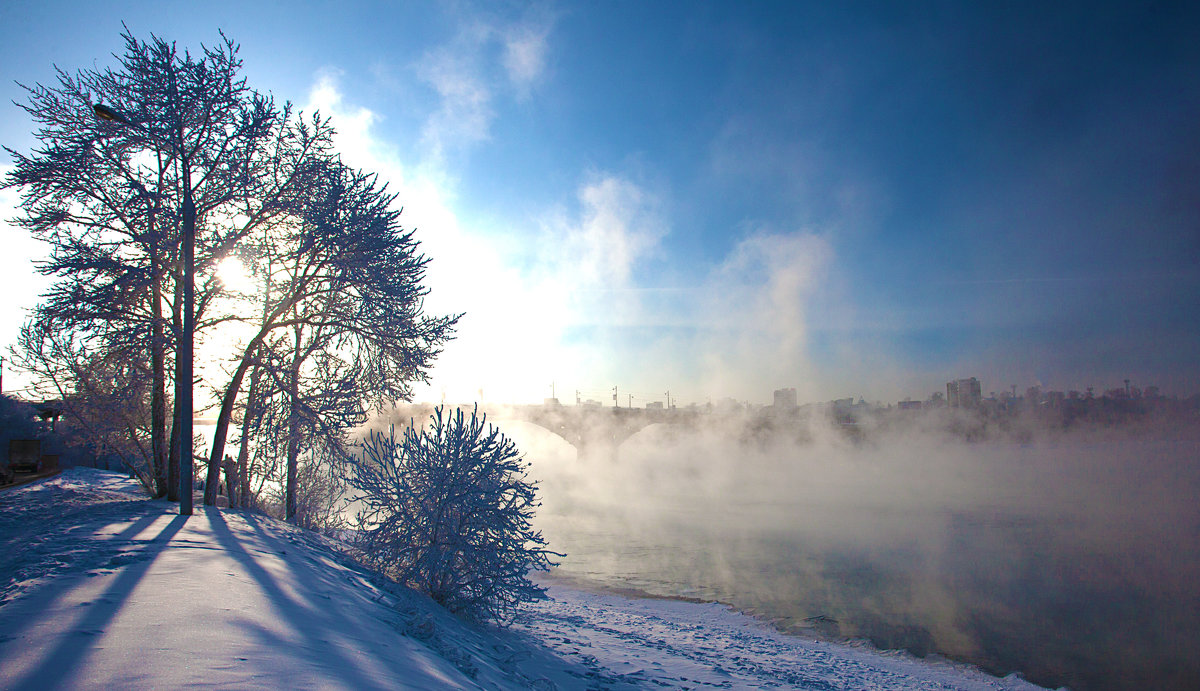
(719, 199)
(969, 389)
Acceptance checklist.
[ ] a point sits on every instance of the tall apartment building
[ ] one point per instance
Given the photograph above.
(964, 393)
(785, 399)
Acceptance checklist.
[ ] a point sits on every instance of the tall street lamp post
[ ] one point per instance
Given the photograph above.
(183, 378)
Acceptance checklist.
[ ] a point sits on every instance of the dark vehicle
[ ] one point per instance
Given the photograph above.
(24, 455)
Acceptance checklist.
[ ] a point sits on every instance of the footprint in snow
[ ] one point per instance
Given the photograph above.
(123, 559)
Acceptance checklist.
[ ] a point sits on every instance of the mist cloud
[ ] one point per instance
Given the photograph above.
(1063, 556)
(758, 303)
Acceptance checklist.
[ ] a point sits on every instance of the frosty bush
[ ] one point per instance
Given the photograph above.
(447, 509)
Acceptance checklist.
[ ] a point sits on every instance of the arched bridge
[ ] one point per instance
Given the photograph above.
(592, 430)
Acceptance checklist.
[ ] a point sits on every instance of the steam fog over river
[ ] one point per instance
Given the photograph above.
(1073, 558)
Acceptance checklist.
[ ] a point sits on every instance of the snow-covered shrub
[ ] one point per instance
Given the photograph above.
(447, 509)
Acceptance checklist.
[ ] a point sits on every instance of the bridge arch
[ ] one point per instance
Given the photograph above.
(596, 433)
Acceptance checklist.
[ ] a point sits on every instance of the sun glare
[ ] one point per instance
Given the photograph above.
(234, 276)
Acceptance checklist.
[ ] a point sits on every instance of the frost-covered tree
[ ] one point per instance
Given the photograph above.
(107, 196)
(447, 510)
(123, 154)
(342, 327)
(103, 396)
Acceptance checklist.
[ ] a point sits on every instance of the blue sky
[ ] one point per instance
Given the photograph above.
(725, 198)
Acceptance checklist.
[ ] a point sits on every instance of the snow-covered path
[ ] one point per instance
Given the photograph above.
(102, 589)
(127, 594)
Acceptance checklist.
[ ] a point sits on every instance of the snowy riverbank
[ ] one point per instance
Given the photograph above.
(100, 588)
(658, 643)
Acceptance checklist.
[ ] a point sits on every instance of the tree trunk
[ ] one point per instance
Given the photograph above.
(293, 448)
(243, 462)
(244, 446)
(173, 459)
(230, 469)
(293, 455)
(173, 453)
(227, 403)
(158, 403)
(158, 364)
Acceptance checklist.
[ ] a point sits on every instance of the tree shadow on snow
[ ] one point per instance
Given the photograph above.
(322, 628)
(73, 649)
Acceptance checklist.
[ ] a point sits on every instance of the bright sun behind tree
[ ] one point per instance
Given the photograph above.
(234, 276)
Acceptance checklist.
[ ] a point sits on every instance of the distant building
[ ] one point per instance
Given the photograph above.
(654, 405)
(785, 399)
(964, 393)
(910, 405)
(727, 405)
(551, 403)
(1033, 396)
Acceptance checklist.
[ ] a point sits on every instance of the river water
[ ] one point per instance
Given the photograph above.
(1072, 558)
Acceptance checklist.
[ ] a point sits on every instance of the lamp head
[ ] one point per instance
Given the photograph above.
(103, 112)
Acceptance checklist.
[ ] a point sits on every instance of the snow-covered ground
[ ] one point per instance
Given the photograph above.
(101, 588)
(649, 643)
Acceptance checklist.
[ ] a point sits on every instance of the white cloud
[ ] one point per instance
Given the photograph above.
(483, 64)
(464, 113)
(616, 227)
(525, 50)
(353, 124)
